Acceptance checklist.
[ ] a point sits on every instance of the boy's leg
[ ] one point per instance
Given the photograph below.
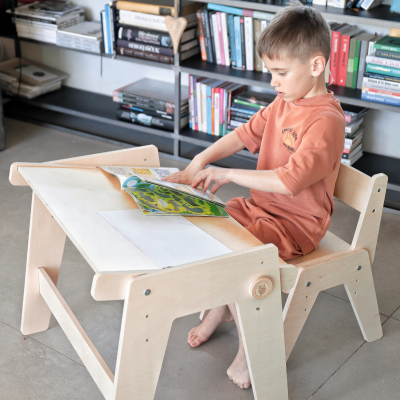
(214, 318)
(238, 372)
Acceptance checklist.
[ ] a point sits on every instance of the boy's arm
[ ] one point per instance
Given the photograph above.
(224, 147)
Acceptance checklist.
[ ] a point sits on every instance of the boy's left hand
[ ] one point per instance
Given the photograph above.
(220, 176)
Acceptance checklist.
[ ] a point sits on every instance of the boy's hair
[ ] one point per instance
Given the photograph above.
(297, 31)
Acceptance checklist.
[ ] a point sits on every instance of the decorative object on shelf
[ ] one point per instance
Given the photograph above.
(176, 28)
(368, 4)
(395, 8)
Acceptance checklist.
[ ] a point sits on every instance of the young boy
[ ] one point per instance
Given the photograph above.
(300, 141)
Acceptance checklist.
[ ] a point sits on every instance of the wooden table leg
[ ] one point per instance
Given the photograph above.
(45, 249)
(154, 301)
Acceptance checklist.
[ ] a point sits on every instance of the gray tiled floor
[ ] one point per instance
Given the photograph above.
(331, 360)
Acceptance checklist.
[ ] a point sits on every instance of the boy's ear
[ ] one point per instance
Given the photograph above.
(318, 65)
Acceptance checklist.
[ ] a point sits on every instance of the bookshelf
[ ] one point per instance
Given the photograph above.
(89, 113)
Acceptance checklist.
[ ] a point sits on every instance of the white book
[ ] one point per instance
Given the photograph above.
(248, 36)
(204, 108)
(217, 107)
(216, 39)
(224, 22)
(263, 26)
(368, 4)
(191, 108)
(198, 100)
(371, 59)
(352, 160)
(90, 30)
(105, 37)
(337, 3)
(142, 20)
(380, 84)
(319, 2)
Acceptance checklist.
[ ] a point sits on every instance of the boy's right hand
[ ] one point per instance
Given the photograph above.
(187, 175)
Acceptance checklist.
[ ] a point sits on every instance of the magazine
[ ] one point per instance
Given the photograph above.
(154, 175)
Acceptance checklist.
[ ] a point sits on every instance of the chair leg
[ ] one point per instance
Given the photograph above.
(297, 308)
(361, 292)
(45, 249)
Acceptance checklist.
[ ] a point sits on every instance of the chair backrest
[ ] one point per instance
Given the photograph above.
(366, 195)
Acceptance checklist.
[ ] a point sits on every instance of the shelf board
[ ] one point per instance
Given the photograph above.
(204, 140)
(378, 16)
(92, 106)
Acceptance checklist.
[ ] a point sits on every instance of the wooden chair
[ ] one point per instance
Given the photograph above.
(335, 262)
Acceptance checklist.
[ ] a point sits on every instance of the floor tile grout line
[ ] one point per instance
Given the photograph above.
(337, 369)
(61, 354)
(330, 294)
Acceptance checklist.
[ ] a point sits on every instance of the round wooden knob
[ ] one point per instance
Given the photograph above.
(261, 288)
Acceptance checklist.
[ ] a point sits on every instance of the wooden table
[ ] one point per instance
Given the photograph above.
(67, 194)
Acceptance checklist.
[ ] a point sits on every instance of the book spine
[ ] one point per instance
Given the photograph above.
(201, 36)
(393, 49)
(243, 110)
(112, 26)
(220, 37)
(221, 112)
(133, 34)
(104, 30)
(209, 106)
(216, 113)
(145, 8)
(224, 23)
(238, 42)
(335, 55)
(213, 111)
(381, 91)
(264, 24)
(380, 69)
(147, 111)
(225, 111)
(355, 66)
(383, 61)
(142, 20)
(381, 84)
(243, 43)
(212, 35)
(207, 35)
(231, 32)
(381, 77)
(145, 55)
(109, 44)
(203, 108)
(350, 64)
(226, 9)
(195, 126)
(248, 22)
(362, 63)
(380, 99)
(190, 100)
(343, 59)
(144, 119)
(387, 54)
(216, 39)
(145, 47)
(257, 33)
(199, 112)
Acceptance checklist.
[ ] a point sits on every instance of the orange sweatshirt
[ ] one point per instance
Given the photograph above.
(303, 142)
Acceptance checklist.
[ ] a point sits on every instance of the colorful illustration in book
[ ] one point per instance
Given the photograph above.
(142, 171)
(162, 173)
(154, 199)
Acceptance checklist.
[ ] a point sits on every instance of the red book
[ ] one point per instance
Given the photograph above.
(343, 59)
(334, 64)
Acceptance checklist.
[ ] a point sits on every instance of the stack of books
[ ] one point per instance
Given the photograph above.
(353, 149)
(381, 82)
(349, 49)
(139, 30)
(41, 20)
(228, 36)
(28, 79)
(150, 102)
(85, 36)
(245, 106)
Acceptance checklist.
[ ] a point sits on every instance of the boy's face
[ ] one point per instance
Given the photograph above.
(292, 78)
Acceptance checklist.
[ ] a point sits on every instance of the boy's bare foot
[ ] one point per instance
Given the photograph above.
(238, 372)
(215, 317)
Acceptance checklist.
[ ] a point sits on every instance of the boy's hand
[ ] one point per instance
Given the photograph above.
(220, 176)
(187, 175)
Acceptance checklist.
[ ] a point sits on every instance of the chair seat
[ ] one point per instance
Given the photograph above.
(328, 245)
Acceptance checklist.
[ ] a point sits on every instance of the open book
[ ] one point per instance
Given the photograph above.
(157, 197)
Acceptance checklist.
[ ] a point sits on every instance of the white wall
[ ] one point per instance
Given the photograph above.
(382, 133)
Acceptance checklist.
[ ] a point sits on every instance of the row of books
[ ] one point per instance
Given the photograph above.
(353, 149)
(381, 81)
(349, 50)
(139, 30)
(355, 4)
(150, 102)
(228, 36)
